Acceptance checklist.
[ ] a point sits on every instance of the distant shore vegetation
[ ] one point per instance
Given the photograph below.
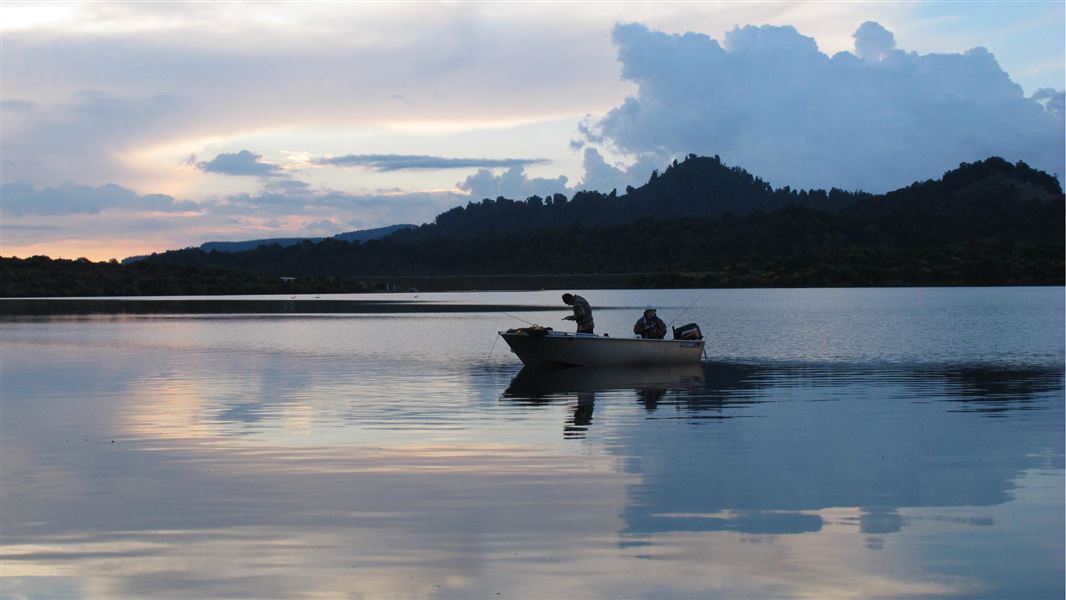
(698, 223)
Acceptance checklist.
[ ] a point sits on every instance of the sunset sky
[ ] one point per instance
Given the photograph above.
(129, 128)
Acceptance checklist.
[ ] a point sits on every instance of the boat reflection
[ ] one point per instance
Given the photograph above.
(697, 391)
(694, 386)
(706, 390)
(536, 386)
(532, 383)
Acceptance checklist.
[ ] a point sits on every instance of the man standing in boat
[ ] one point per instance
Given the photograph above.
(582, 312)
(650, 326)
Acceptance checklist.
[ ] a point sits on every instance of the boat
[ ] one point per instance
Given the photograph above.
(545, 348)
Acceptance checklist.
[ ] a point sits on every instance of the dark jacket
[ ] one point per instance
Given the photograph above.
(652, 328)
(582, 314)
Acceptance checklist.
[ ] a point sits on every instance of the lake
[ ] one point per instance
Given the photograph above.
(838, 443)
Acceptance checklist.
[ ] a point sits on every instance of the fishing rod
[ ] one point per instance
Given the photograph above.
(497, 338)
(683, 311)
(517, 318)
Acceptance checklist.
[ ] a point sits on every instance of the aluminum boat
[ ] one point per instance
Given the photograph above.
(543, 347)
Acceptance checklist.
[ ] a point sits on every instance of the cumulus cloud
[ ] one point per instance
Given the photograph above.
(239, 163)
(604, 177)
(512, 183)
(400, 162)
(873, 42)
(25, 199)
(1054, 102)
(767, 99)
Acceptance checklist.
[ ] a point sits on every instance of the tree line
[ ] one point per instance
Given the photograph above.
(41, 276)
(699, 223)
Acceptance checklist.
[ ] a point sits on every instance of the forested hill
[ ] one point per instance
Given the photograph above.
(350, 236)
(985, 223)
(694, 188)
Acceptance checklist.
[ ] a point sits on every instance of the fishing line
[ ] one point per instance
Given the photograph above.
(516, 318)
(685, 310)
(498, 335)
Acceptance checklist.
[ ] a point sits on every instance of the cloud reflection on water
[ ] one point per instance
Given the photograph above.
(239, 468)
(889, 468)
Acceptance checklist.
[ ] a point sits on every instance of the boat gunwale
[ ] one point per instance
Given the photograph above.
(591, 336)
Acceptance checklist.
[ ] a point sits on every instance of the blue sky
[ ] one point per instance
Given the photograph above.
(130, 128)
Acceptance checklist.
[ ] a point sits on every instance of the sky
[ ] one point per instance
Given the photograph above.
(130, 128)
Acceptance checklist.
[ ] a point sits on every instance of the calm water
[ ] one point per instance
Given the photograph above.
(840, 443)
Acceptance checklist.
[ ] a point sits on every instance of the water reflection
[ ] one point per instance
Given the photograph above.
(394, 457)
(995, 389)
(533, 384)
(579, 385)
(710, 387)
(834, 437)
(700, 391)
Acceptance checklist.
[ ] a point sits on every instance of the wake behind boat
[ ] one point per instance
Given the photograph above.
(542, 347)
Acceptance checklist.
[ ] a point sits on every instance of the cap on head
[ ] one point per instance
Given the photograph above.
(649, 310)
(568, 298)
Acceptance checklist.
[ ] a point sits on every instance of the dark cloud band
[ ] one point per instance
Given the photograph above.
(239, 163)
(401, 162)
(68, 199)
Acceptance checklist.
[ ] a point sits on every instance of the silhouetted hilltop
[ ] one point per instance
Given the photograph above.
(983, 185)
(989, 222)
(694, 188)
(253, 244)
(361, 235)
(364, 235)
(704, 187)
(702, 224)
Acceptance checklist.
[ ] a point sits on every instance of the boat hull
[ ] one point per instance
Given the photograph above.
(556, 349)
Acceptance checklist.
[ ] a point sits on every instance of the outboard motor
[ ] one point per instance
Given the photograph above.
(690, 331)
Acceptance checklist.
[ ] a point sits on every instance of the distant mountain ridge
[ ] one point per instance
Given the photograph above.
(253, 244)
(361, 235)
(703, 224)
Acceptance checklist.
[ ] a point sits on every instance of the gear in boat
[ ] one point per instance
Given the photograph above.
(544, 347)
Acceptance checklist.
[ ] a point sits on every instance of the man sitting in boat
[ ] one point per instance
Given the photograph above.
(650, 327)
(582, 312)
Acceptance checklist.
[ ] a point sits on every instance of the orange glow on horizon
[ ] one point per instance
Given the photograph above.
(96, 251)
